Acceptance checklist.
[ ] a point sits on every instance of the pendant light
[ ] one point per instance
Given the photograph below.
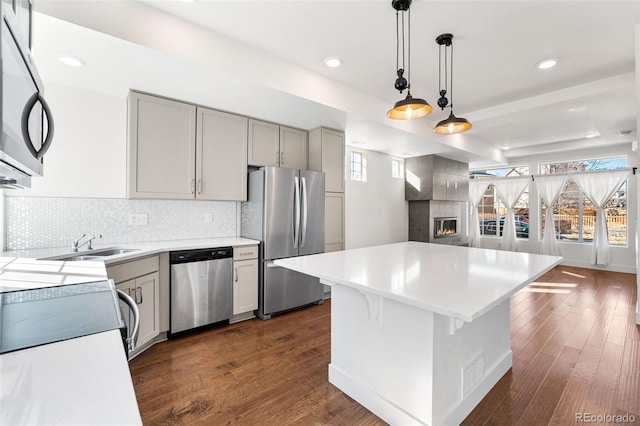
(452, 124)
(408, 107)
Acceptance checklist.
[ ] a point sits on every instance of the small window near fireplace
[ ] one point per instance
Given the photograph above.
(445, 226)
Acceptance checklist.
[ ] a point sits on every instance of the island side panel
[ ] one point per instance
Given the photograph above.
(469, 362)
(382, 355)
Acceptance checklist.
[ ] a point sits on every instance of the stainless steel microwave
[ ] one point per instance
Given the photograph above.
(27, 124)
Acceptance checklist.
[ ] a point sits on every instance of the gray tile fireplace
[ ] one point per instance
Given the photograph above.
(437, 189)
(441, 222)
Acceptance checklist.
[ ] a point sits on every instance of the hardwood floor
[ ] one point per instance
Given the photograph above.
(576, 349)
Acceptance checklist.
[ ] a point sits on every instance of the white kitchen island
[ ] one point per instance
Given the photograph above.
(420, 332)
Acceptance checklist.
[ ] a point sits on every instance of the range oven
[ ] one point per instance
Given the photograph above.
(27, 124)
(40, 316)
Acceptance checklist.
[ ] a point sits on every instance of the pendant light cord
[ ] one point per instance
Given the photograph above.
(397, 40)
(408, 47)
(451, 78)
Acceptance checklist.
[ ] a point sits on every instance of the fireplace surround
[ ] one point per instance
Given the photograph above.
(438, 222)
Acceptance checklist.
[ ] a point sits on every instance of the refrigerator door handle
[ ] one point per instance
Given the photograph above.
(296, 216)
(304, 212)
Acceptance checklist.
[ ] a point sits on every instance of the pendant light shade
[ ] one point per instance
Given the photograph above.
(408, 107)
(452, 124)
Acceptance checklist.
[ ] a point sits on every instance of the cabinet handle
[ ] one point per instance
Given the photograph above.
(236, 274)
(193, 186)
(199, 186)
(141, 296)
(447, 184)
(278, 157)
(455, 185)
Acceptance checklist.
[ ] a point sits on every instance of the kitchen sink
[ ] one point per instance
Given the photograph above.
(92, 255)
(111, 252)
(83, 257)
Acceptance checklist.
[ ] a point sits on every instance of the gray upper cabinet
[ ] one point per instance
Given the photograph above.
(180, 151)
(221, 156)
(277, 146)
(162, 148)
(264, 144)
(432, 177)
(294, 146)
(326, 154)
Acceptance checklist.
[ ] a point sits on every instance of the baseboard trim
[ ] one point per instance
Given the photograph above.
(370, 399)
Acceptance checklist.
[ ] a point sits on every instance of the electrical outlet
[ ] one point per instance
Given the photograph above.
(138, 219)
(208, 218)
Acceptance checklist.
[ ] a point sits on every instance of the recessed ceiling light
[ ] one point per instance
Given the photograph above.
(358, 143)
(591, 135)
(332, 61)
(71, 60)
(547, 63)
(506, 147)
(407, 154)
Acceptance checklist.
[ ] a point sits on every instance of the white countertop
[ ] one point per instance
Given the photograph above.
(18, 273)
(141, 249)
(459, 282)
(83, 381)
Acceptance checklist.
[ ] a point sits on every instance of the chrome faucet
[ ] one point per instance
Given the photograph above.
(76, 244)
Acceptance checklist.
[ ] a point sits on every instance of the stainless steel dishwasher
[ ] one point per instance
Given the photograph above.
(201, 287)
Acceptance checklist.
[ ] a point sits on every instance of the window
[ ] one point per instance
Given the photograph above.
(492, 210)
(397, 170)
(574, 215)
(358, 166)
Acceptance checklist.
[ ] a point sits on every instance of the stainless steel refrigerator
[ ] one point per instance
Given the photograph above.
(285, 211)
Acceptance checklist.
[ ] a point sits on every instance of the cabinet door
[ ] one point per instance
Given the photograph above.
(333, 160)
(245, 286)
(334, 222)
(146, 295)
(162, 139)
(221, 168)
(264, 144)
(293, 148)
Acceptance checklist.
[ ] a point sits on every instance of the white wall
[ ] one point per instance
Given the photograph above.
(623, 259)
(88, 154)
(375, 211)
(638, 186)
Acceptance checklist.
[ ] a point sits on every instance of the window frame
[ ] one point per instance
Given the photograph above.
(581, 199)
(362, 166)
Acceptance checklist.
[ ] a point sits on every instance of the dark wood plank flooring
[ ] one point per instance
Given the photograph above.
(576, 349)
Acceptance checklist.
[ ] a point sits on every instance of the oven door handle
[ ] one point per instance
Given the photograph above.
(133, 338)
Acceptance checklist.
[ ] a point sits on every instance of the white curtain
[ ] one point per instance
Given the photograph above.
(509, 190)
(477, 188)
(549, 188)
(600, 187)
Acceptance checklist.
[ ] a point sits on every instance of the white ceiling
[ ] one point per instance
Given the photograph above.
(265, 59)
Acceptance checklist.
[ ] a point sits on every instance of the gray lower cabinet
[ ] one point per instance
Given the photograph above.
(140, 280)
(245, 282)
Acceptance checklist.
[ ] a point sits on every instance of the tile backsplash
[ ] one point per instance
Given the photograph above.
(39, 222)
